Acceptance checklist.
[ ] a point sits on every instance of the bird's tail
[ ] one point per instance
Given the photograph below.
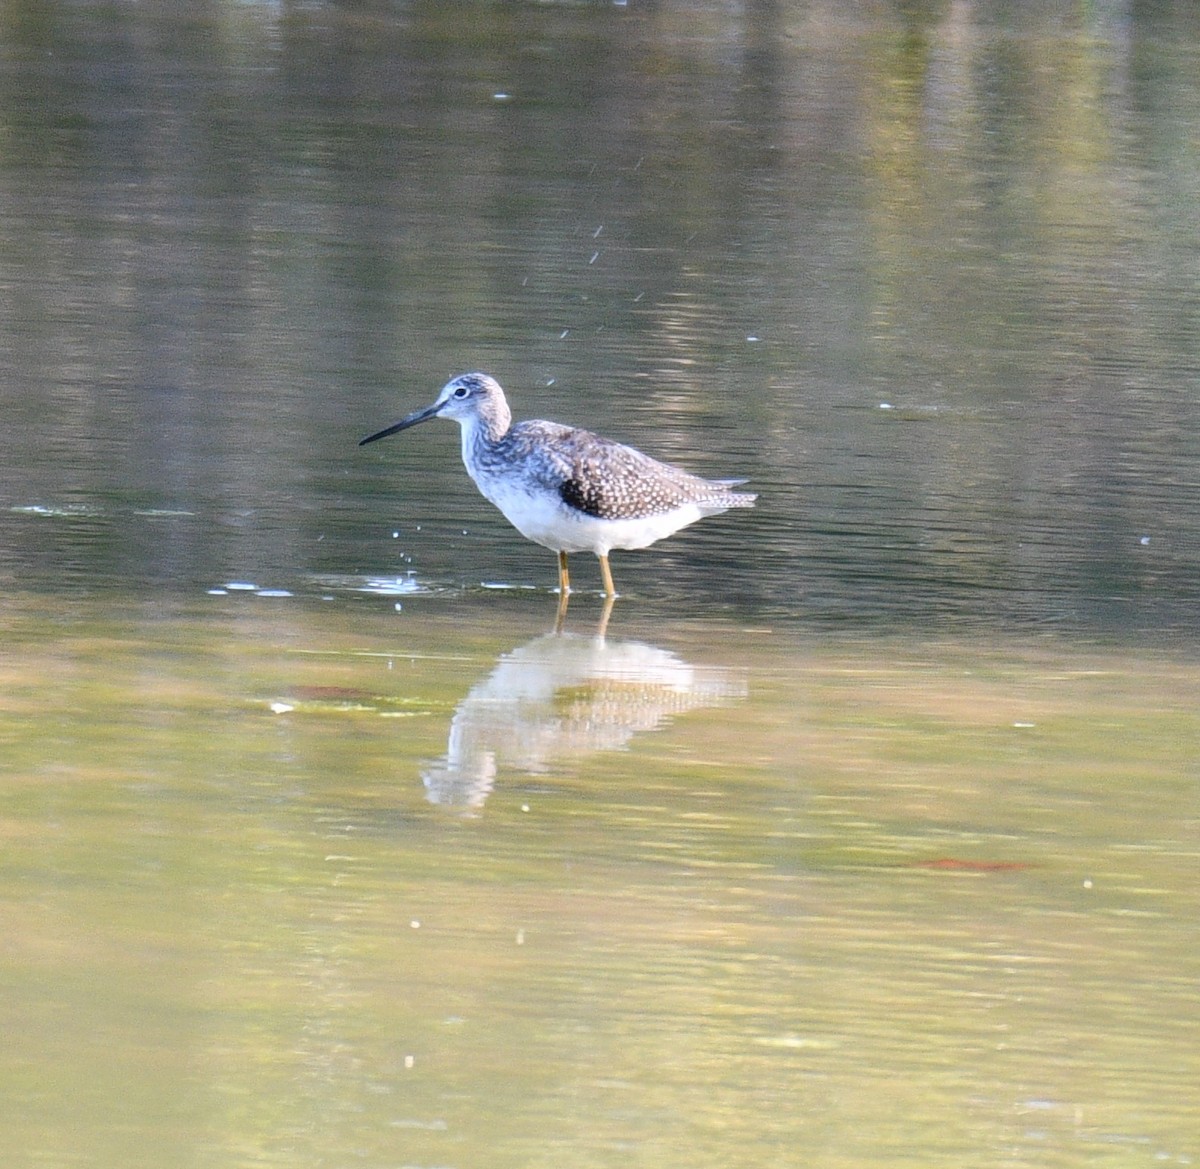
(737, 498)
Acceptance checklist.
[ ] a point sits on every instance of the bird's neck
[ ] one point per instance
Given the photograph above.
(483, 431)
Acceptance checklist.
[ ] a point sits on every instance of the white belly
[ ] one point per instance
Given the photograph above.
(546, 520)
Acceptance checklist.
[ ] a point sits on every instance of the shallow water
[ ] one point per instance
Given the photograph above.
(723, 897)
(862, 832)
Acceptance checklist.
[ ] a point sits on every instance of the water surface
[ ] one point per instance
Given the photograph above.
(864, 831)
(794, 897)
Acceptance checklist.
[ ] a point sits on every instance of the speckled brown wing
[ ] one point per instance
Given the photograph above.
(611, 481)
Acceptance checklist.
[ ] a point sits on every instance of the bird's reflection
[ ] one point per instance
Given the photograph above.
(562, 696)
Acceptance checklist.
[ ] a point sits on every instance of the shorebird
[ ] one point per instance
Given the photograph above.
(568, 489)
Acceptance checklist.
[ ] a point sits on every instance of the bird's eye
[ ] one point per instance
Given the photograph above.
(461, 391)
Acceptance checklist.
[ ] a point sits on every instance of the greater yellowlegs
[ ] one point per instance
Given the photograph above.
(567, 489)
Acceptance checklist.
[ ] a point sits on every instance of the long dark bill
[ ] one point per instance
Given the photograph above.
(403, 424)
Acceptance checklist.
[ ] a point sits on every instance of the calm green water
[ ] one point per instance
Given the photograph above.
(864, 834)
(772, 899)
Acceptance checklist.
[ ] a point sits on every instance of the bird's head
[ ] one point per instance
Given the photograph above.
(468, 398)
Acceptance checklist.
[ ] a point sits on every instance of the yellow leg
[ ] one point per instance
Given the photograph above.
(564, 580)
(606, 572)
